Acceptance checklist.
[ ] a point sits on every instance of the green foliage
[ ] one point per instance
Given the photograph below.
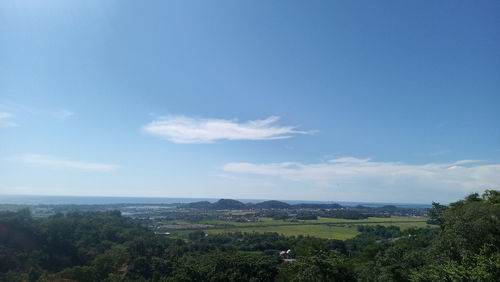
(484, 266)
(467, 248)
(196, 235)
(491, 197)
(316, 268)
(436, 213)
(369, 236)
(227, 266)
(467, 226)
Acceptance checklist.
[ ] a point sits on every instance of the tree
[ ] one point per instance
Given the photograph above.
(468, 225)
(436, 213)
(316, 268)
(491, 196)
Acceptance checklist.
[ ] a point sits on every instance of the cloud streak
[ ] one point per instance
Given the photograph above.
(5, 120)
(193, 130)
(367, 175)
(63, 114)
(51, 162)
(4, 115)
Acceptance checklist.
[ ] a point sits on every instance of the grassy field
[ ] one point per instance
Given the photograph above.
(266, 221)
(331, 228)
(321, 231)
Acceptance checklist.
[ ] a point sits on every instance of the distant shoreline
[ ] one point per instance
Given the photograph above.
(98, 200)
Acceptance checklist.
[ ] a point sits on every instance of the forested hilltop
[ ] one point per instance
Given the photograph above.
(106, 246)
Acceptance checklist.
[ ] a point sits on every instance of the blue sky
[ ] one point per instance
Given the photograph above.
(391, 101)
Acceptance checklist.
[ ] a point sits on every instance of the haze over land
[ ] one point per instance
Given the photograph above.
(378, 102)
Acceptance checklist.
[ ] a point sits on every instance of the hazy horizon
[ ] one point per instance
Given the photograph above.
(392, 102)
(97, 200)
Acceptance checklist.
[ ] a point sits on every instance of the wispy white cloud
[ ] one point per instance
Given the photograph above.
(4, 115)
(63, 114)
(9, 111)
(193, 130)
(53, 162)
(369, 176)
(5, 120)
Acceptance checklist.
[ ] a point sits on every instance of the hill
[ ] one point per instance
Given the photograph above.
(199, 205)
(228, 204)
(272, 205)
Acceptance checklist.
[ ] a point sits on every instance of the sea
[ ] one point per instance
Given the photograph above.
(97, 200)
